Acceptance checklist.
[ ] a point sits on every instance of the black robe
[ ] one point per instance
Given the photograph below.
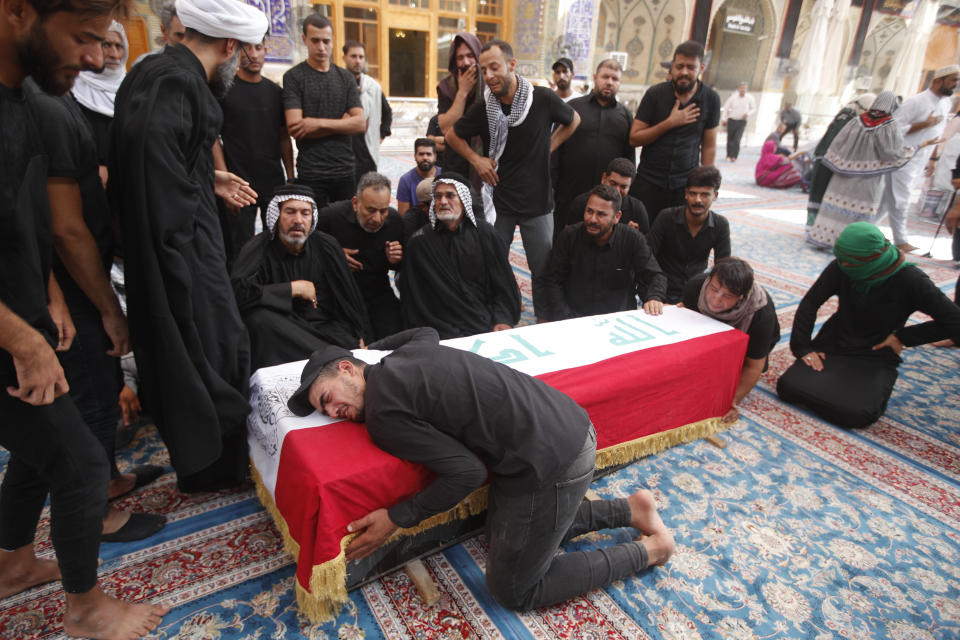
(191, 346)
(460, 283)
(383, 308)
(283, 328)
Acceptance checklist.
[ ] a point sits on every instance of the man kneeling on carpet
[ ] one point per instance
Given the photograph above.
(846, 374)
(464, 416)
(729, 294)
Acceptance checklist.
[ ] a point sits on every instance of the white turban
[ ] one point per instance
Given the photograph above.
(223, 19)
(948, 70)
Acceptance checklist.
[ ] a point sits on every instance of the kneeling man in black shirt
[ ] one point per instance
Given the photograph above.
(464, 416)
(729, 294)
(595, 265)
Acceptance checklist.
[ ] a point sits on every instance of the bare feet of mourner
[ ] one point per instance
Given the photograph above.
(21, 570)
(88, 615)
(96, 615)
(644, 517)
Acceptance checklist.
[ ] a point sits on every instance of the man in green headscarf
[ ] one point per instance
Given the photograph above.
(846, 373)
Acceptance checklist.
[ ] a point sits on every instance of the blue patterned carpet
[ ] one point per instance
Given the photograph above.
(795, 530)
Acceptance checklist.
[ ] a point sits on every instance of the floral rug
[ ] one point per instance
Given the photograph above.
(795, 530)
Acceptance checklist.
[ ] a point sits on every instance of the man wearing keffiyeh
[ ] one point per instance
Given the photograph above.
(293, 286)
(515, 122)
(456, 277)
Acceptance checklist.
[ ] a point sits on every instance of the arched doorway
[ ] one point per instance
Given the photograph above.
(740, 40)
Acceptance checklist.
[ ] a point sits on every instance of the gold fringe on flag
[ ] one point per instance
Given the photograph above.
(657, 442)
(328, 580)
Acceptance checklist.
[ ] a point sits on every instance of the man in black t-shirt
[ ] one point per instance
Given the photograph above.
(51, 451)
(729, 294)
(603, 135)
(323, 111)
(255, 144)
(619, 174)
(82, 225)
(676, 124)
(683, 237)
(515, 123)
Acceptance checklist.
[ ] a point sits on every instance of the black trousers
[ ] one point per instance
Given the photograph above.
(94, 377)
(735, 130)
(851, 391)
(327, 191)
(52, 450)
(655, 197)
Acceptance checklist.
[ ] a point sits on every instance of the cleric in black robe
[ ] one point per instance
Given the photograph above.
(191, 346)
(293, 285)
(456, 277)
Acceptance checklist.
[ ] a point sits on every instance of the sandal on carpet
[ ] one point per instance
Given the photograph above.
(145, 474)
(138, 527)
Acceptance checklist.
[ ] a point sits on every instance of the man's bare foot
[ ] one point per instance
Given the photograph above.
(643, 513)
(114, 520)
(96, 615)
(945, 343)
(121, 485)
(21, 570)
(644, 516)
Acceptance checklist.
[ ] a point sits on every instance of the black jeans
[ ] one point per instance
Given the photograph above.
(524, 532)
(51, 450)
(93, 376)
(327, 191)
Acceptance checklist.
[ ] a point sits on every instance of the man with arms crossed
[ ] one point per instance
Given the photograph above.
(464, 416)
(323, 111)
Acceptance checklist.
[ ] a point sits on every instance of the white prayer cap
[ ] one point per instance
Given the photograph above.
(223, 19)
(948, 70)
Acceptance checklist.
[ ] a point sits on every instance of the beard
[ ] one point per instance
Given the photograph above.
(682, 86)
(38, 59)
(291, 241)
(425, 166)
(448, 215)
(563, 85)
(224, 75)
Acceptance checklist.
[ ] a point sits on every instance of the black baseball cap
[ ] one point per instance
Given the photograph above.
(567, 62)
(299, 402)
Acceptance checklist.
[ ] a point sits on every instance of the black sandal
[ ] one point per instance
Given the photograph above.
(138, 527)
